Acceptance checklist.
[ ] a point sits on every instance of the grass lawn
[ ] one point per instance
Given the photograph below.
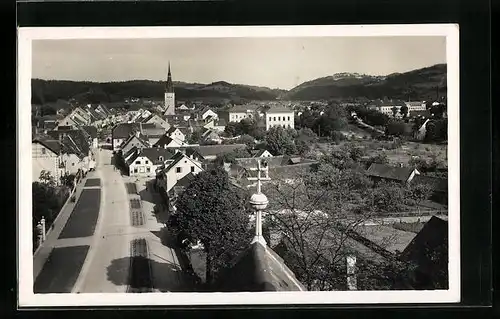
(61, 270)
(83, 219)
(409, 227)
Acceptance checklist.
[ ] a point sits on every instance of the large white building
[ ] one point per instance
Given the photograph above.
(279, 116)
(240, 112)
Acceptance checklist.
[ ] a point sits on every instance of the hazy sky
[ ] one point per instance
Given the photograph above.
(272, 62)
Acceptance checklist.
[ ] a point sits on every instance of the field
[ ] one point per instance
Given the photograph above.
(401, 154)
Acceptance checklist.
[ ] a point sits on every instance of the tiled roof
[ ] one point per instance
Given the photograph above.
(143, 139)
(164, 140)
(258, 268)
(279, 109)
(389, 172)
(52, 145)
(186, 180)
(75, 139)
(123, 130)
(429, 247)
(91, 130)
(244, 108)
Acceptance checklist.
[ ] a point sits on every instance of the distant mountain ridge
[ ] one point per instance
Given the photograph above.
(416, 84)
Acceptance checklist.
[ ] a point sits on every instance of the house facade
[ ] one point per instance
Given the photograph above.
(45, 157)
(181, 165)
(155, 119)
(279, 116)
(416, 106)
(145, 162)
(240, 112)
(176, 134)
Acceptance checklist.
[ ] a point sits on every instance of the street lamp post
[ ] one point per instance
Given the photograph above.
(259, 201)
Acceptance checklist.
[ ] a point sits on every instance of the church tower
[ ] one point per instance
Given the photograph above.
(169, 94)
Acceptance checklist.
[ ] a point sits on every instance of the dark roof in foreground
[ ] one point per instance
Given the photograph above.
(389, 172)
(258, 268)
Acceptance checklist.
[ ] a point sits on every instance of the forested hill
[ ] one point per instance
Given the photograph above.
(46, 91)
(420, 84)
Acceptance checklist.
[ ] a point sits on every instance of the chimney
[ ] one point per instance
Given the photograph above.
(137, 133)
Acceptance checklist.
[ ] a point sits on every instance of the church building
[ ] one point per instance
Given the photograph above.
(169, 95)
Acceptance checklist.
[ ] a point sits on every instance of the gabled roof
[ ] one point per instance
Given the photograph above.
(163, 141)
(429, 248)
(389, 172)
(52, 145)
(185, 181)
(131, 151)
(258, 268)
(190, 151)
(123, 130)
(93, 114)
(75, 139)
(153, 154)
(172, 129)
(258, 153)
(141, 138)
(91, 130)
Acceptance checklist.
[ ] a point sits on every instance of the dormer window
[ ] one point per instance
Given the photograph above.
(160, 158)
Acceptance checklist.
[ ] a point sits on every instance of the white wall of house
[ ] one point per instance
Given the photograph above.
(238, 116)
(117, 142)
(181, 169)
(285, 120)
(142, 166)
(72, 163)
(43, 159)
(95, 142)
(177, 135)
(266, 154)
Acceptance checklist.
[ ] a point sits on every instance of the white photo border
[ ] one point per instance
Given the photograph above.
(26, 296)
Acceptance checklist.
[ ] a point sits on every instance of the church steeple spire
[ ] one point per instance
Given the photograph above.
(169, 86)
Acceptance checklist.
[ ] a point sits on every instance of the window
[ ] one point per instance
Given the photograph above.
(135, 170)
(160, 158)
(178, 169)
(72, 164)
(185, 161)
(148, 169)
(192, 169)
(289, 118)
(138, 162)
(146, 162)
(44, 151)
(274, 118)
(279, 118)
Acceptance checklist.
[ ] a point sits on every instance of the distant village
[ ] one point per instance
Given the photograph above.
(168, 143)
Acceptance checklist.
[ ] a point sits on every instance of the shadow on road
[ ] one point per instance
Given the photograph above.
(166, 276)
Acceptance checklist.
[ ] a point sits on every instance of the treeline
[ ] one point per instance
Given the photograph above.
(47, 91)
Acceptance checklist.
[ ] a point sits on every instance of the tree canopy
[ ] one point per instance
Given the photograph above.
(214, 212)
(280, 141)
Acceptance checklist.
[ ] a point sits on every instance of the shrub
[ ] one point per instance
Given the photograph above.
(72, 199)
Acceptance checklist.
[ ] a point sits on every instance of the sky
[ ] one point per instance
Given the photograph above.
(272, 62)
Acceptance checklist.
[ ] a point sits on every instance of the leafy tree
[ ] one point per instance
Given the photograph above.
(333, 120)
(212, 211)
(279, 141)
(231, 156)
(246, 139)
(47, 178)
(388, 197)
(404, 110)
(396, 128)
(379, 159)
(304, 138)
(419, 192)
(395, 111)
(314, 216)
(194, 137)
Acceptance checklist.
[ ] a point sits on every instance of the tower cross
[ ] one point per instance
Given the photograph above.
(259, 201)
